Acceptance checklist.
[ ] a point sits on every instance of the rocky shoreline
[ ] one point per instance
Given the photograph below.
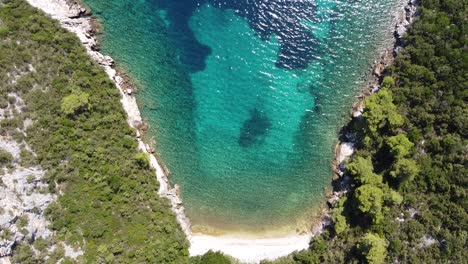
(78, 20)
(347, 139)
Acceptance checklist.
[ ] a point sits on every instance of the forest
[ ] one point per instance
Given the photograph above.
(108, 205)
(407, 202)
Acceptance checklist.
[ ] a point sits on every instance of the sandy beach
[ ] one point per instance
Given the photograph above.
(249, 250)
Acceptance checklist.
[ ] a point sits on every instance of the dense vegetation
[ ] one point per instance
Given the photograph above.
(108, 203)
(408, 202)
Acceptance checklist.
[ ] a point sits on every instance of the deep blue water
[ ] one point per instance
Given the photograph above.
(244, 98)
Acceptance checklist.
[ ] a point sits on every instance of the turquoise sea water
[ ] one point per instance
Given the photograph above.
(245, 97)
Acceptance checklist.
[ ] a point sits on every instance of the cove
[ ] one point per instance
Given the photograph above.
(244, 98)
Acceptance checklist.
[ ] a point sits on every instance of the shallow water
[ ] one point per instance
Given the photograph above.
(245, 97)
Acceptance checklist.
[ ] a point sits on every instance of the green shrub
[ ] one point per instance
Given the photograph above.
(142, 160)
(211, 257)
(27, 158)
(5, 158)
(77, 101)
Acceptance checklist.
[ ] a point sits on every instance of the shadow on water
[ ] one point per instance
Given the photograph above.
(265, 18)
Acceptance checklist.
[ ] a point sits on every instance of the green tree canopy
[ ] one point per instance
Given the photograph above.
(5, 158)
(400, 145)
(392, 197)
(76, 101)
(374, 248)
(370, 199)
(363, 171)
(211, 257)
(404, 170)
(380, 112)
(340, 223)
(388, 82)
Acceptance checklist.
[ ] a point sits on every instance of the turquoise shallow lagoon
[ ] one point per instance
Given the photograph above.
(245, 98)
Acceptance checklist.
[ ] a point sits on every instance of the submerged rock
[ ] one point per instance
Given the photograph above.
(254, 129)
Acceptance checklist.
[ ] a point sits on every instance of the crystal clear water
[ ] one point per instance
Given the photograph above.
(245, 97)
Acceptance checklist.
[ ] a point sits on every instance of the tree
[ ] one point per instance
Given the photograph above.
(211, 257)
(404, 170)
(400, 145)
(370, 199)
(388, 82)
(24, 254)
(340, 224)
(380, 112)
(373, 248)
(76, 101)
(392, 196)
(363, 171)
(142, 159)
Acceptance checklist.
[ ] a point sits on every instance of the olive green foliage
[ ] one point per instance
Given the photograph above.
(339, 221)
(380, 112)
(5, 158)
(393, 197)
(27, 158)
(76, 101)
(370, 200)
(142, 159)
(363, 171)
(387, 83)
(404, 170)
(409, 167)
(211, 258)
(400, 146)
(109, 204)
(374, 248)
(24, 255)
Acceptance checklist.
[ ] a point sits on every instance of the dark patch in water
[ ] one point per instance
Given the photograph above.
(254, 129)
(281, 19)
(192, 54)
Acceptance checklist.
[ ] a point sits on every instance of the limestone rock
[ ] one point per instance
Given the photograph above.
(400, 31)
(6, 247)
(76, 11)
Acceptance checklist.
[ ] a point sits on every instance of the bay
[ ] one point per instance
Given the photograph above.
(245, 98)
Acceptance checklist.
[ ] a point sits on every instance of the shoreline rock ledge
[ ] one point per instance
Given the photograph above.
(77, 19)
(345, 146)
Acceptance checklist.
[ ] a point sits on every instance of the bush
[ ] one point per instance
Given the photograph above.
(142, 160)
(5, 158)
(76, 102)
(211, 257)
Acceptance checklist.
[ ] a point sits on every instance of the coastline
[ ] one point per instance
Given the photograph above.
(78, 20)
(346, 138)
(73, 17)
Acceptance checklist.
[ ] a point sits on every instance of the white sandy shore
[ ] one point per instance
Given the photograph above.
(246, 249)
(250, 250)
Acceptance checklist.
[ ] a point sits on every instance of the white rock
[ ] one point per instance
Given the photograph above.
(346, 150)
